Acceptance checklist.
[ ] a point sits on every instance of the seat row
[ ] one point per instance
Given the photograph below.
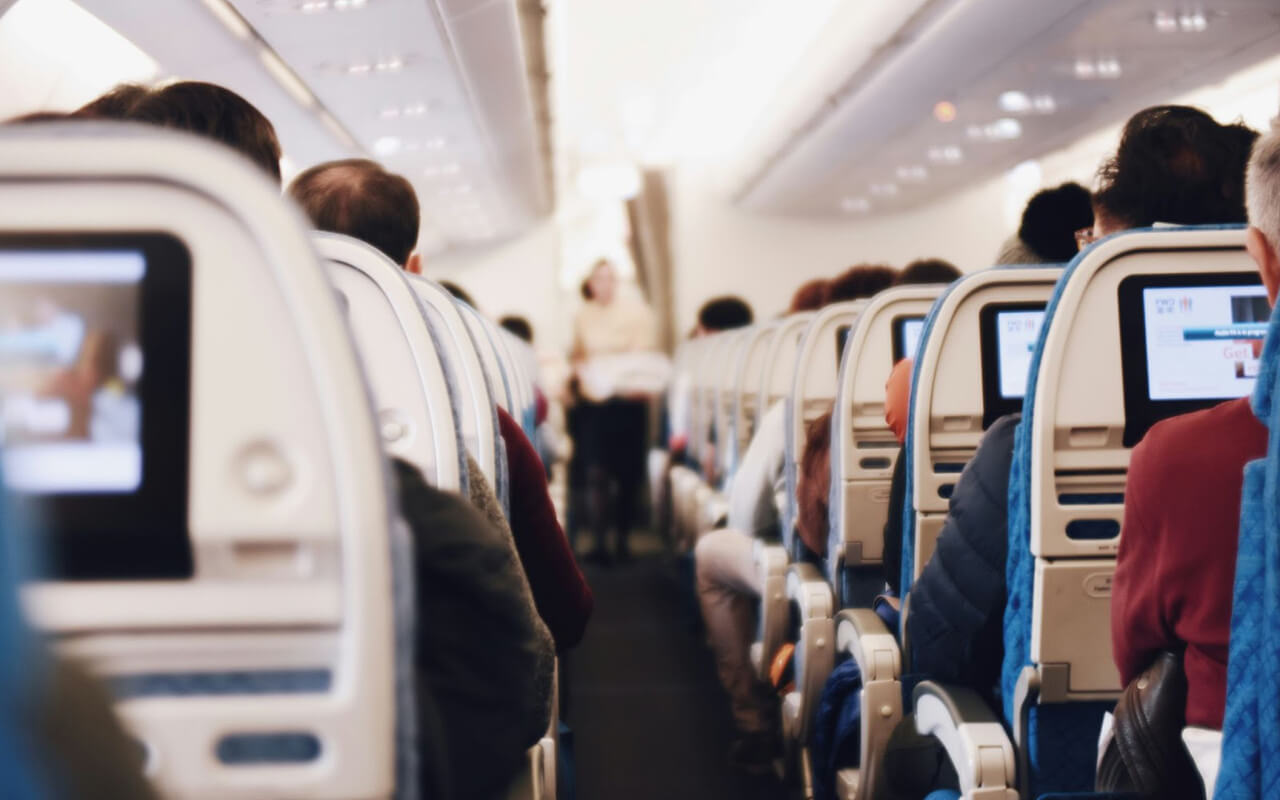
(1081, 352)
(250, 599)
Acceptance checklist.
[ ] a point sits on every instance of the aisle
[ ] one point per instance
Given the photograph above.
(649, 717)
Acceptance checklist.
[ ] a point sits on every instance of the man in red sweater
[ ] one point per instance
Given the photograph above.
(1176, 566)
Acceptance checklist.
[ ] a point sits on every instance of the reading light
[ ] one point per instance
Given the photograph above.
(944, 111)
(946, 154)
(387, 146)
(1014, 102)
(884, 189)
(914, 173)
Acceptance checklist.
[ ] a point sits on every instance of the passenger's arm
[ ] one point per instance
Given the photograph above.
(559, 589)
(481, 648)
(1138, 628)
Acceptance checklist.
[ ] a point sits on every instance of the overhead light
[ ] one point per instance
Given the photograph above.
(230, 18)
(914, 173)
(1165, 22)
(415, 109)
(389, 65)
(1087, 69)
(387, 146)
(855, 205)
(1189, 21)
(1193, 22)
(314, 6)
(390, 113)
(359, 68)
(1014, 102)
(1002, 130)
(946, 154)
(944, 111)
(1044, 104)
(884, 189)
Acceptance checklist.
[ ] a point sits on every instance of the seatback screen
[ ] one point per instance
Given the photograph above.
(1188, 341)
(1008, 333)
(906, 337)
(1016, 335)
(95, 337)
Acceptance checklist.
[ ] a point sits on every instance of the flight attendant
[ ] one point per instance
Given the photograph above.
(611, 431)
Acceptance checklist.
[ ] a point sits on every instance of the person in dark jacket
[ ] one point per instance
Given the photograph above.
(956, 624)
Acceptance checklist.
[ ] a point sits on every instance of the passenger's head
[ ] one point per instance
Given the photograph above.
(519, 326)
(601, 285)
(928, 270)
(814, 487)
(1051, 219)
(458, 292)
(359, 198)
(809, 297)
(215, 113)
(723, 314)
(118, 103)
(1264, 210)
(1174, 164)
(855, 283)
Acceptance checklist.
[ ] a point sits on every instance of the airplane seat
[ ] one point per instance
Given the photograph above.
(742, 422)
(1090, 396)
(1247, 764)
(771, 558)
(813, 390)
(501, 391)
(727, 401)
(863, 448)
(477, 411)
(237, 589)
(414, 394)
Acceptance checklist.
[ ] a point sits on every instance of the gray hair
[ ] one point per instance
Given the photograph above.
(1262, 186)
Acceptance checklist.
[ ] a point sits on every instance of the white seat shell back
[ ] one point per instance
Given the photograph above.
(398, 350)
(292, 576)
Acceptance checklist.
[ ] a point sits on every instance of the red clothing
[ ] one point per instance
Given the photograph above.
(560, 591)
(1177, 562)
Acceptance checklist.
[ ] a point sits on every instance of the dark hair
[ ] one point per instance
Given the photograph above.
(855, 283)
(724, 313)
(928, 270)
(519, 326)
(359, 198)
(814, 486)
(214, 112)
(809, 297)
(1051, 219)
(1175, 164)
(458, 292)
(585, 289)
(118, 103)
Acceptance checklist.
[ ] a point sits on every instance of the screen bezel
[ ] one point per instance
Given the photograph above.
(994, 404)
(1140, 411)
(899, 327)
(141, 534)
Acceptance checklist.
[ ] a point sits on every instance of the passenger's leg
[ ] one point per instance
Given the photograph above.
(632, 439)
(729, 591)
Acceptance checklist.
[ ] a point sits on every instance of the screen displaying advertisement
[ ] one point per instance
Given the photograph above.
(907, 337)
(70, 368)
(1016, 335)
(1203, 342)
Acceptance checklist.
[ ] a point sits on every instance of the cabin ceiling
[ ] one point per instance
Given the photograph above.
(878, 147)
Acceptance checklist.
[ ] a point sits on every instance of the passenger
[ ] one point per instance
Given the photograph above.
(612, 433)
(358, 198)
(926, 271)
(727, 579)
(810, 296)
(458, 292)
(723, 314)
(1052, 223)
(813, 489)
(1173, 164)
(1176, 565)
(862, 281)
(116, 104)
(213, 112)
(518, 327)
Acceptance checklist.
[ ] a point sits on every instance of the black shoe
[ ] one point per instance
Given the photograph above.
(598, 556)
(755, 752)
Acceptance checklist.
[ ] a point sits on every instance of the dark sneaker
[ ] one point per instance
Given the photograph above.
(755, 752)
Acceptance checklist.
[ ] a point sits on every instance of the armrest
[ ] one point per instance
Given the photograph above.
(861, 633)
(807, 587)
(770, 559)
(973, 737)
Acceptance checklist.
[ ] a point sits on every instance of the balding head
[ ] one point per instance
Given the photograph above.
(358, 198)
(1262, 193)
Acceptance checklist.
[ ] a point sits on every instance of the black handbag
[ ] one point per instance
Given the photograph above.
(1147, 756)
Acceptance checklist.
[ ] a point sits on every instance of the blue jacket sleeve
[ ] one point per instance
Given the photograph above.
(956, 616)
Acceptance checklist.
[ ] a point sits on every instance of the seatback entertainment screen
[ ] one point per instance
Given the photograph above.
(1188, 341)
(95, 350)
(906, 337)
(1008, 334)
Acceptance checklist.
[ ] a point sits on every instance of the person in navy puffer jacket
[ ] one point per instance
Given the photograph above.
(955, 627)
